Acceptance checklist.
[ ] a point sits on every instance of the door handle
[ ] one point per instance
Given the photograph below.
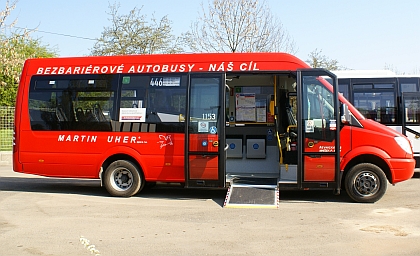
(227, 147)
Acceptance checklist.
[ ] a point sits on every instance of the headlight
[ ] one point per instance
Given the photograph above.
(404, 144)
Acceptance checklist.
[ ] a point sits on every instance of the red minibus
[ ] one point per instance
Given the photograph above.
(201, 120)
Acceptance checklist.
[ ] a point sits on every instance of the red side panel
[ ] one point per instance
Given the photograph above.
(204, 167)
(319, 168)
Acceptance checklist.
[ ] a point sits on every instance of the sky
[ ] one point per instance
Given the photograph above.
(359, 34)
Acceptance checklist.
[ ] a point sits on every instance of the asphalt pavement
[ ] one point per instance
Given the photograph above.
(46, 216)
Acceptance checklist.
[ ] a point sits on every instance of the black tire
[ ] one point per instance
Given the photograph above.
(366, 183)
(122, 178)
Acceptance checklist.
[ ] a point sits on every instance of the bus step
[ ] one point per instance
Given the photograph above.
(252, 193)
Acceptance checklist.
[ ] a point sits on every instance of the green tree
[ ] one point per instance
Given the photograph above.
(133, 34)
(318, 60)
(16, 46)
(238, 26)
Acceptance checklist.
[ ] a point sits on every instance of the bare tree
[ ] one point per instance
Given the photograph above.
(10, 6)
(392, 68)
(238, 26)
(318, 60)
(133, 34)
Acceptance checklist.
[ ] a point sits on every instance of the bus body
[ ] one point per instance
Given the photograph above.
(388, 98)
(200, 120)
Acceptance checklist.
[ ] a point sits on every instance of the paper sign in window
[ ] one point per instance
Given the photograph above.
(132, 114)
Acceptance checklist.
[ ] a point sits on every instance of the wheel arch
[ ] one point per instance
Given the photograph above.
(116, 157)
(120, 153)
(368, 158)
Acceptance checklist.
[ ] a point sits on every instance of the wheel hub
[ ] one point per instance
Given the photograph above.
(123, 179)
(366, 184)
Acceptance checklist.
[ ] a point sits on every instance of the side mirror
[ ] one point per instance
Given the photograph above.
(345, 114)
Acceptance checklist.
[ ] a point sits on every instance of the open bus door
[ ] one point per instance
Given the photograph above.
(411, 121)
(205, 134)
(318, 129)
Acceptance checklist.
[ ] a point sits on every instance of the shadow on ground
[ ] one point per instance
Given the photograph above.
(161, 191)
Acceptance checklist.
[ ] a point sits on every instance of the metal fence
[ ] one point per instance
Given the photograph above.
(7, 115)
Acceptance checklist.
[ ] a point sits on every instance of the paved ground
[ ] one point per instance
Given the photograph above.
(41, 216)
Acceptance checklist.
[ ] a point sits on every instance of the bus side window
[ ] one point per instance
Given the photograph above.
(163, 98)
(71, 103)
(167, 103)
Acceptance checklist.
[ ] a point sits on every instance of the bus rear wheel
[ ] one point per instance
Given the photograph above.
(366, 183)
(123, 178)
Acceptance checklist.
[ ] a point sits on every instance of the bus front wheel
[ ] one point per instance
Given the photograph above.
(366, 183)
(123, 178)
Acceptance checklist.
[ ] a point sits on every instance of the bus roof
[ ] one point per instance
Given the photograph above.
(364, 73)
(165, 63)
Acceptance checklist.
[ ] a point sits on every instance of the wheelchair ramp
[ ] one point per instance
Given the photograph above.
(252, 193)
